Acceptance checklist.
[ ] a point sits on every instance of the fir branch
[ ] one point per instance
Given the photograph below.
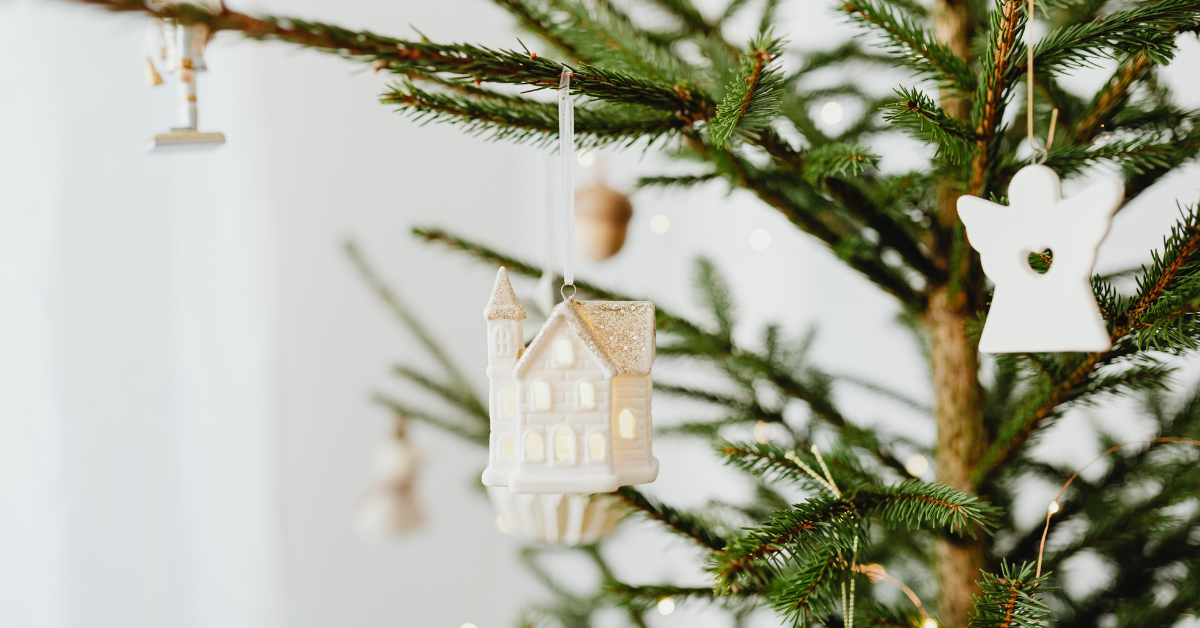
(1137, 155)
(1146, 29)
(806, 209)
(649, 595)
(837, 159)
(686, 181)
(809, 594)
(774, 463)
(464, 400)
(685, 524)
(924, 120)
(1007, 600)
(993, 91)
(522, 120)
(459, 384)
(912, 45)
(803, 527)
(914, 502)
(463, 61)
(752, 96)
(1110, 99)
(473, 433)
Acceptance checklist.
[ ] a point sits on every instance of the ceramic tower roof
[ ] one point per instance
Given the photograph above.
(503, 302)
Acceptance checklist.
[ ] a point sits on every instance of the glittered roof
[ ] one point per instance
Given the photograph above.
(619, 333)
(625, 331)
(503, 302)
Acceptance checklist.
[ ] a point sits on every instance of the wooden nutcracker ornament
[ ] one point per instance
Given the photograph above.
(179, 49)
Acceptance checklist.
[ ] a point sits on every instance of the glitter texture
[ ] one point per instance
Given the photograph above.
(623, 329)
(503, 302)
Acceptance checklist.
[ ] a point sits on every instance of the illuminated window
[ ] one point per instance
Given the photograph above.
(625, 423)
(541, 396)
(501, 342)
(562, 443)
(509, 449)
(533, 446)
(595, 446)
(563, 354)
(510, 402)
(587, 396)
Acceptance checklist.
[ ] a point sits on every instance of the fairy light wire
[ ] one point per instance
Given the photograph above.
(1054, 506)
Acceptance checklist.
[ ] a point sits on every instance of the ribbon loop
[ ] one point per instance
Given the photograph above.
(566, 150)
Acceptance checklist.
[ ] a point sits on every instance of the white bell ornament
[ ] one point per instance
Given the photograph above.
(1055, 311)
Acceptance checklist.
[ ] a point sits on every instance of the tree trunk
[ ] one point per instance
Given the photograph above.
(960, 442)
(961, 434)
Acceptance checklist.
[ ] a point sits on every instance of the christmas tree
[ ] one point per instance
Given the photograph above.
(732, 107)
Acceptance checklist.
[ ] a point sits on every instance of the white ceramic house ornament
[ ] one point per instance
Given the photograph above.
(1055, 311)
(570, 413)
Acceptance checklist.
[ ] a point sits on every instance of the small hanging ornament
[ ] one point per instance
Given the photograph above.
(603, 218)
(179, 49)
(1055, 311)
(391, 506)
(570, 413)
(603, 214)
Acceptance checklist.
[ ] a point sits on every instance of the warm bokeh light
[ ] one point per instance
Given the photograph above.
(831, 113)
(917, 465)
(659, 224)
(666, 606)
(760, 239)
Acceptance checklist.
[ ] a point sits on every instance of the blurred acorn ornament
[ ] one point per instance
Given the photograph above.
(555, 518)
(391, 507)
(601, 219)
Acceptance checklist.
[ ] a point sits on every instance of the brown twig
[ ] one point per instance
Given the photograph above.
(994, 95)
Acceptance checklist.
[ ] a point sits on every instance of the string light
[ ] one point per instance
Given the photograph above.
(1054, 508)
(760, 239)
(659, 224)
(666, 606)
(500, 525)
(930, 623)
(831, 113)
(917, 465)
(764, 432)
(586, 158)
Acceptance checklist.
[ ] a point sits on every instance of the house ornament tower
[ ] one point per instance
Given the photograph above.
(570, 413)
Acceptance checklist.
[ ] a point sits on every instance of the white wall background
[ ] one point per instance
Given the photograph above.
(186, 355)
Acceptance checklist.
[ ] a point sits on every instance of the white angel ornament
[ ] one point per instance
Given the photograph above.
(1055, 311)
